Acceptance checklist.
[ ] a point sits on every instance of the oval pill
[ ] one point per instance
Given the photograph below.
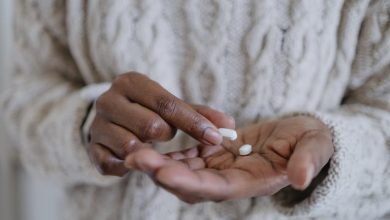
(229, 133)
(245, 149)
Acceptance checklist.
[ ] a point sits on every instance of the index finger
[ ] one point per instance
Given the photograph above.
(176, 112)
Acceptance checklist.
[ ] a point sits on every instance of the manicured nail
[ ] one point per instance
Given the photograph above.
(212, 136)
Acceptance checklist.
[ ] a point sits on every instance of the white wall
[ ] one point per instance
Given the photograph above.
(22, 196)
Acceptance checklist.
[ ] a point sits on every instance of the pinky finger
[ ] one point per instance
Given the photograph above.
(105, 161)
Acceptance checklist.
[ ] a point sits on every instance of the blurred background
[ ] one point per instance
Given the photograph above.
(22, 197)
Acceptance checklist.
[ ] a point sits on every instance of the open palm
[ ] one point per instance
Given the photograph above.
(285, 151)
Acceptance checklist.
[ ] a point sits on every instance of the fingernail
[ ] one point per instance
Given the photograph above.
(212, 136)
(309, 177)
(230, 118)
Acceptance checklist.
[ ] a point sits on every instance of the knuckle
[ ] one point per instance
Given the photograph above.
(153, 129)
(101, 161)
(94, 129)
(166, 106)
(97, 131)
(126, 79)
(120, 80)
(195, 123)
(128, 146)
(103, 102)
(104, 167)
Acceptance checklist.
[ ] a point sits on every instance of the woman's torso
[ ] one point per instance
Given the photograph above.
(250, 59)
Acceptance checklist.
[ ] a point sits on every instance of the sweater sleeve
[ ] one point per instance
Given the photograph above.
(46, 99)
(355, 184)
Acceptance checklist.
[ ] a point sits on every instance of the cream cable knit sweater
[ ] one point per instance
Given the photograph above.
(266, 58)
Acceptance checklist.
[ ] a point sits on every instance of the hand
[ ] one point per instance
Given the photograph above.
(285, 151)
(135, 112)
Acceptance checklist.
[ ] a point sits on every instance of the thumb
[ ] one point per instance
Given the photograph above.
(146, 160)
(310, 155)
(219, 119)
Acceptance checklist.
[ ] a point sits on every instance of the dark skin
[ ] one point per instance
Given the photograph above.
(135, 112)
(286, 151)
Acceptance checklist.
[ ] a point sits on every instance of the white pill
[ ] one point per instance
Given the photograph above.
(245, 149)
(229, 133)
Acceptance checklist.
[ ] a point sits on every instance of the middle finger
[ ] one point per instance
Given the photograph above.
(144, 123)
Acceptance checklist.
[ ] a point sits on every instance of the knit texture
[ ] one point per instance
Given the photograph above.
(251, 59)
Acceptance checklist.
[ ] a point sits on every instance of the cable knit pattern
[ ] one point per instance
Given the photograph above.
(251, 59)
